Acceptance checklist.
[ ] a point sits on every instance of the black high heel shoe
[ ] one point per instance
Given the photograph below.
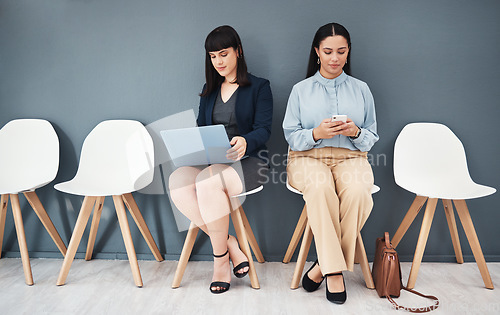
(240, 266)
(224, 286)
(336, 297)
(307, 283)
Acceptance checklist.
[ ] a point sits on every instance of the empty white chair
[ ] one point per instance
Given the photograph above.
(117, 158)
(429, 160)
(29, 160)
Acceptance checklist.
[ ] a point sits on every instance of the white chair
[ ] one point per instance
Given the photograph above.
(304, 229)
(244, 234)
(117, 158)
(29, 160)
(430, 161)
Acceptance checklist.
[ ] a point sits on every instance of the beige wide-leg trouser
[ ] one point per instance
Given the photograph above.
(336, 185)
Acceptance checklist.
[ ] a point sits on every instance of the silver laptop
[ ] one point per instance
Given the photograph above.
(197, 145)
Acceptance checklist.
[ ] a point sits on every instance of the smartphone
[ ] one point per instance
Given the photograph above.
(342, 118)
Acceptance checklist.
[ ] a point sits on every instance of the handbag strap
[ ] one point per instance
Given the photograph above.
(387, 240)
(425, 309)
(388, 273)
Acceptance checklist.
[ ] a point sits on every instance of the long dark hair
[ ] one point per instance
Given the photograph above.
(323, 32)
(221, 38)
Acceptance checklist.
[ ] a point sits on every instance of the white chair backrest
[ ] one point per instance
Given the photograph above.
(117, 157)
(29, 156)
(429, 155)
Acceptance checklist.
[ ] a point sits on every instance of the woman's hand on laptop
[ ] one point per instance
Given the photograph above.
(239, 147)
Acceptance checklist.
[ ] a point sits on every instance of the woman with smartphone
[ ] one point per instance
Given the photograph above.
(328, 156)
(243, 103)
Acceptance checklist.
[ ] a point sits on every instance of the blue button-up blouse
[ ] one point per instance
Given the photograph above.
(317, 98)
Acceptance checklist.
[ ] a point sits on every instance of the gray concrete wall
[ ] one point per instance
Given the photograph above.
(78, 62)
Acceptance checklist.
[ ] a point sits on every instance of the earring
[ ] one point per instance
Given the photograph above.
(318, 61)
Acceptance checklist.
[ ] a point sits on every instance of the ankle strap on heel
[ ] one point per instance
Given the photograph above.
(219, 256)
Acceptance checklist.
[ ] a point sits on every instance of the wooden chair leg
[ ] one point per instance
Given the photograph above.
(185, 254)
(363, 262)
(239, 227)
(21, 237)
(297, 234)
(37, 206)
(3, 212)
(408, 219)
(94, 226)
(251, 238)
(422, 241)
(301, 260)
(356, 256)
(452, 225)
(470, 232)
(139, 220)
(127, 239)
(81, 222)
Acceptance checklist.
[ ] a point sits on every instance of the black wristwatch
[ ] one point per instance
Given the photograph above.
(357, 134)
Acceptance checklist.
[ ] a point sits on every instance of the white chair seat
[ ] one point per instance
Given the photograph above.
(450, 189)
(86, 187)
(6, 188)
(12, 189)
(290, 187)
(251, 192)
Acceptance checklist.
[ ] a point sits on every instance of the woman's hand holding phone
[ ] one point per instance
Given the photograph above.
(336, 125)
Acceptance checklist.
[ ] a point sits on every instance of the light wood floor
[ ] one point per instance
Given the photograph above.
(106, 287)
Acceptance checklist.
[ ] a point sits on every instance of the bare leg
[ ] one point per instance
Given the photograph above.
(213, 185)
(315, 274)
(335, 283)
(236, 255)
(183, 191)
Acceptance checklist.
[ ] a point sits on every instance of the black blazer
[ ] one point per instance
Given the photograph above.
(254, 113)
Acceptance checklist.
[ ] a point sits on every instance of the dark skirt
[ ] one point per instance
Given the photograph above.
(254, 172)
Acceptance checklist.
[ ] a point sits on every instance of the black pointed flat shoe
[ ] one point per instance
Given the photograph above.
(307, 283)
(336, 297)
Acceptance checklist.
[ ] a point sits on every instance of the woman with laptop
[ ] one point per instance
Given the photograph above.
(330, 126)
(243, 104)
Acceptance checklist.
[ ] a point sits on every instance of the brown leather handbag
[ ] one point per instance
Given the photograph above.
(387, 276)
